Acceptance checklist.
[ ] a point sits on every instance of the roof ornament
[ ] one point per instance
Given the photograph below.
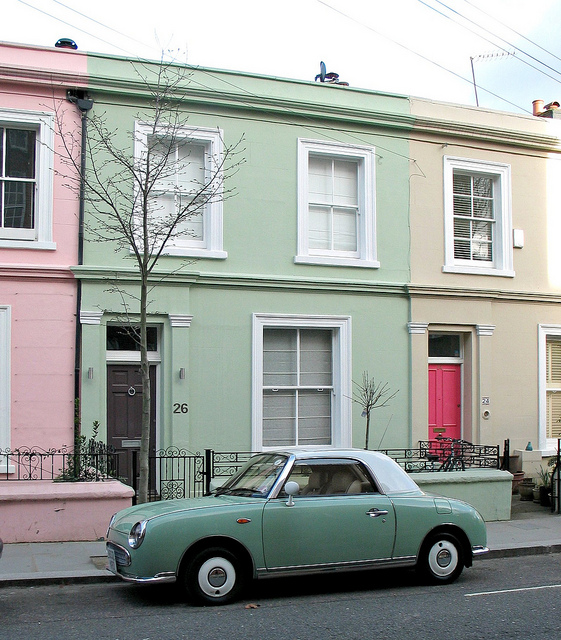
(331, 77)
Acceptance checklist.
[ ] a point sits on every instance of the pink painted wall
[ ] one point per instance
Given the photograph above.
(45, 511)
(38, 285)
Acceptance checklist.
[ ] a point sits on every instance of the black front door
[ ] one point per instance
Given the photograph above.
(124, 417)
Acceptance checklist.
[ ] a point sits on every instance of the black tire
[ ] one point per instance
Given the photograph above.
(214, 576)
(441, 560)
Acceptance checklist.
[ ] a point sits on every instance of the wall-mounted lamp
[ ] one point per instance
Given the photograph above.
(90, 373)
(182, 373)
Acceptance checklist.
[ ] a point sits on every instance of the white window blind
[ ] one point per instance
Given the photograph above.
(178, 187)
(474, 217)
(297, 387)
(333, 204)
(553, 387)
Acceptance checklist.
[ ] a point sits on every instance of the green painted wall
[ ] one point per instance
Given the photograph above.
(260, 236)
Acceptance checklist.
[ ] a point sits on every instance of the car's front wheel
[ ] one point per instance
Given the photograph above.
(441, 560)
(214, 576)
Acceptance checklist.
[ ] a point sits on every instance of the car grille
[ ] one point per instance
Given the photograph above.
(122, 556)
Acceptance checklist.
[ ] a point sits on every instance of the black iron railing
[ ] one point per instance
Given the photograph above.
(95, 462)
(179, 473)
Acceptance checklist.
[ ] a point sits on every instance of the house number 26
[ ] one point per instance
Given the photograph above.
(180, 407)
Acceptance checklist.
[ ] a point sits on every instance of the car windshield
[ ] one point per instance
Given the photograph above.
(256, 478)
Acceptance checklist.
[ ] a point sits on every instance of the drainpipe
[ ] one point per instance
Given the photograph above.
(84, 105)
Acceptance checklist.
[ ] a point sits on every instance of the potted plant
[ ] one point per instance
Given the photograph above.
(544, 479)
(526, 488)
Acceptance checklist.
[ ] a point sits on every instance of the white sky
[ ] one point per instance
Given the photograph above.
(397, 46)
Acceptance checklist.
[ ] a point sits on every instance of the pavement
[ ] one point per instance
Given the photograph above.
(532, 529)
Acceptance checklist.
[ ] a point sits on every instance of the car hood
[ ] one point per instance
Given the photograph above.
(125, 519)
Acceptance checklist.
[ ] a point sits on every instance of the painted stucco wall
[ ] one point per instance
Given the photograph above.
(37, 284)
(498, 317)
(260, 275)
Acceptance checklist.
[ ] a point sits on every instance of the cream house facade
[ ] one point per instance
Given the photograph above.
(485, 292)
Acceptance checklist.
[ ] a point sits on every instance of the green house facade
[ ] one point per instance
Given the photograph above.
(265, 316)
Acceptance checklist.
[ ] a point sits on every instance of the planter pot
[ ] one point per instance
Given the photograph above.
(517, 478)
(544, 496)
(536, 494)
(526, 490)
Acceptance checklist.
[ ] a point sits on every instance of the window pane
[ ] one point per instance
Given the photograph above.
(279, 418)
(483, 208)
(314, 413)
(190, 166)
(482, 247)
(344, 230)
(462, 184)
(18, 205)
(315, 357)
(553, 410)
(279, 357)
(121, 338)
(20, 153)
(482, 186)
(462, 206)
(553, 372)
(320, 180)
(320, 227)
(345, 183)
(444, 345)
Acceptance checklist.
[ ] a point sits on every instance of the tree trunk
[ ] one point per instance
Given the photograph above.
(143, 483)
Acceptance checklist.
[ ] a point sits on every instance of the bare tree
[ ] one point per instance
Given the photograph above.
(122, 182)
(370, 395)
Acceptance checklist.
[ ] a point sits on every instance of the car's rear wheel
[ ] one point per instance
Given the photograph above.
(214, 576)
(441, 559)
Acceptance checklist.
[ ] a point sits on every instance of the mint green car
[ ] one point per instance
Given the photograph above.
(289, 512)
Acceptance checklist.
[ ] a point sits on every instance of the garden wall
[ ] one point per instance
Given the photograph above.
(488, 490)
(46, 511)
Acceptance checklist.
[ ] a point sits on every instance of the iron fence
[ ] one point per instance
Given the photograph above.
(94, 462)
(179, 473)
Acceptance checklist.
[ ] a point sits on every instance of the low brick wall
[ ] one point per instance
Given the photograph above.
(46, 511)
(488, 490)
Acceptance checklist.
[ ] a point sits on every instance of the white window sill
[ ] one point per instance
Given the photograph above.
(479, 271)
(337, 261)
(27, 244)
(196, 253)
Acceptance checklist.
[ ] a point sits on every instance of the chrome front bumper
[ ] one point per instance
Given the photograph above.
(479, 550)
(118, 557)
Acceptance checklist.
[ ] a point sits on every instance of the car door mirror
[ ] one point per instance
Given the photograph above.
(291, 489)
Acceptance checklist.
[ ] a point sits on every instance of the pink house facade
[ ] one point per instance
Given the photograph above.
(39, 220)
(38, 245)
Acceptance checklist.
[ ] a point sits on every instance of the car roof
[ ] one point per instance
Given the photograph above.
(386, 471)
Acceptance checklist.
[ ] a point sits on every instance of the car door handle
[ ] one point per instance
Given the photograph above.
(374, 513)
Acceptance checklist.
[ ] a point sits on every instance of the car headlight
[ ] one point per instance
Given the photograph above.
(136, 536)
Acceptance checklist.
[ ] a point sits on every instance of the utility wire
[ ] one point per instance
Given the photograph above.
(420, 55)
(550, 53)
(69, 24)
(101, 24)
(490, 41)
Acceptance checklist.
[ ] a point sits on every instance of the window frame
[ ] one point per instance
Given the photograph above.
(366, 228)
(500, 173)
(544, 332)
(212, 139)
(41, 236)
(341, 362)
(5, 381)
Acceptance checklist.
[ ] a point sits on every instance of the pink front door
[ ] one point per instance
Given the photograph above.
(445, 401)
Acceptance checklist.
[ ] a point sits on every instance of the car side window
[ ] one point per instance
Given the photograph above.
(331, 477)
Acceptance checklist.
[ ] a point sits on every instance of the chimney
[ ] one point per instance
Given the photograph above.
(550, 110)
(538, 107)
